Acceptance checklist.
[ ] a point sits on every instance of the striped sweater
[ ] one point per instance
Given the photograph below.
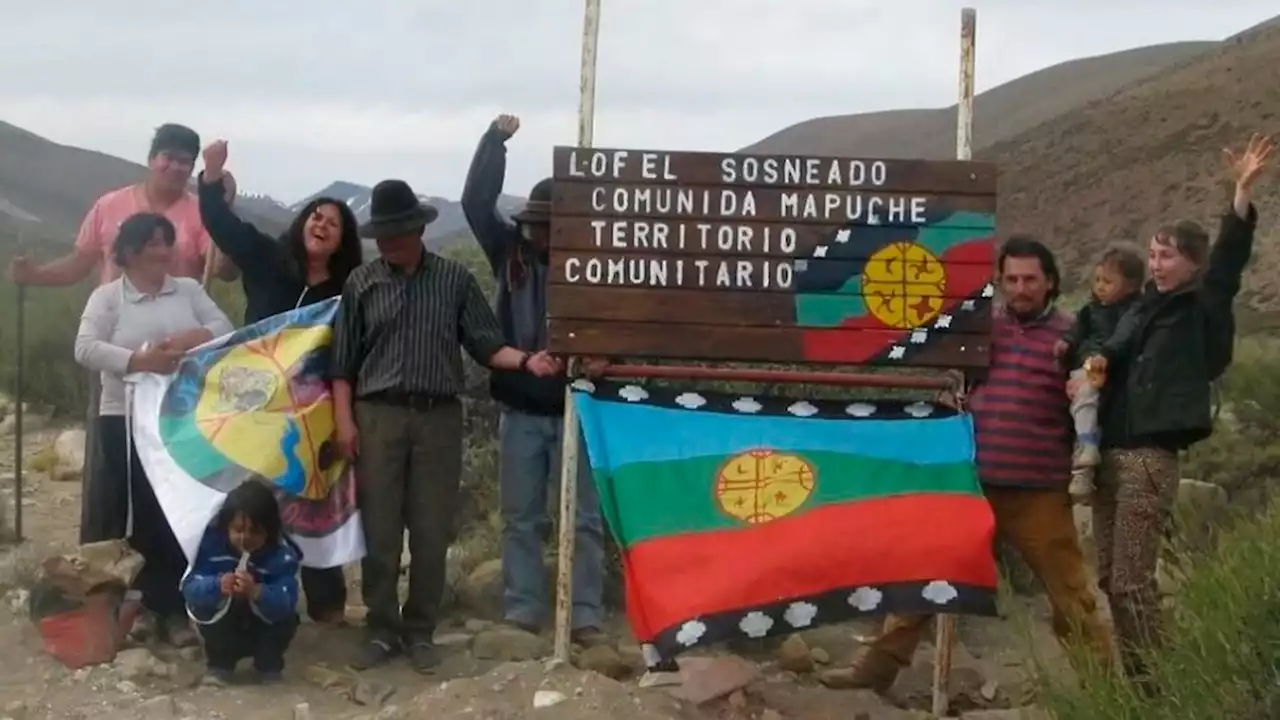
(1021, 413)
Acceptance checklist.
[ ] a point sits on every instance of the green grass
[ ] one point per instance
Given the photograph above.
(1221, 653)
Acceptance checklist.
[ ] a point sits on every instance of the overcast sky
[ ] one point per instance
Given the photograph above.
(309, 92)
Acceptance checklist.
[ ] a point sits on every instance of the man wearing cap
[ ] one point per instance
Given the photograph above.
(397, 373)
(169, 165)
(533, 408)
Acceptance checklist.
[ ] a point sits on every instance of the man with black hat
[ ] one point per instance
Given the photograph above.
(397, 374)
(533, 408)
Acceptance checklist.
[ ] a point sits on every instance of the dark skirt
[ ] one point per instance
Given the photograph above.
(106, 517)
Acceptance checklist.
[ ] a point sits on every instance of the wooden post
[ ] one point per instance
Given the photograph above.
(569, 449)
(19, 399)
(946, 624)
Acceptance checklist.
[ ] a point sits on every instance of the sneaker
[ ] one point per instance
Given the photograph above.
(423, 656)
(1086, 456)
(1082, 488)
(375, 653)
(216, 677)
(269, 677)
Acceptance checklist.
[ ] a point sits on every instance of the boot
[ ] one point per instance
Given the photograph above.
(873, 670)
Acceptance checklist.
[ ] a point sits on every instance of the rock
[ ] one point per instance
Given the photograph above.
(547, 698)
(481, 592)
(136, 663)
(989, 691)
(737, 699)
(508, 645)
(302, 711)
(475, 625)
(190, 653)
(69, 448)
(31, 422)
(127, 688)
(770, 714)
(452, 639)
(1201, 494)
(326, 679)
(820, 656)
(705, 679)
(157, 708)
(604, 660)
(371, 694)
(794, 655)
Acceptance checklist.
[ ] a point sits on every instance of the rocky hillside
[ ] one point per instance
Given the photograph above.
(1119, 167)
(999, 114)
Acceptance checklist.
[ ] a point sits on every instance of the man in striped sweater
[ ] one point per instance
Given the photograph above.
(1023, 429)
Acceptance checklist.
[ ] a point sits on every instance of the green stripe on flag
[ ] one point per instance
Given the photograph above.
(646, 500)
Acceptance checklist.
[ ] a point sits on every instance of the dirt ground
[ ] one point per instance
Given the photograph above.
(991, 663)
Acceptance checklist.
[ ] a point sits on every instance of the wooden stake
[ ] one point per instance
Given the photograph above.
(569, 449)
(946, 624)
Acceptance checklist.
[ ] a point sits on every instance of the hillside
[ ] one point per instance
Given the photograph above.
(1152, 153)
(46, 188)
(999, 114)
(448, 229)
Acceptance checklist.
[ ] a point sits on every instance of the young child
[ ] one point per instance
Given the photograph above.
(242, 590)
(1117, 284)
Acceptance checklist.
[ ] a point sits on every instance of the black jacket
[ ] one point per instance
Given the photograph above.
(521, 305)
(273, 282)
(1094, 325)
(1170, 346)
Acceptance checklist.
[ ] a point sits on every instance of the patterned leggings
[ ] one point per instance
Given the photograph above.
(1136, 489)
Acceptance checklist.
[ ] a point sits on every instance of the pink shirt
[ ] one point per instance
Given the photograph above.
(100, 226)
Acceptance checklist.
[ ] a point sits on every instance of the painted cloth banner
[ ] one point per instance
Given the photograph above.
(254, 404)
(756, 516)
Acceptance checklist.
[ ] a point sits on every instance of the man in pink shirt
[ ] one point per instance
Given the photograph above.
(172, 158)
(170, 163)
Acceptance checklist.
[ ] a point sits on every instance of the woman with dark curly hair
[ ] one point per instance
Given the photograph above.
(143, 321)
(307, 264)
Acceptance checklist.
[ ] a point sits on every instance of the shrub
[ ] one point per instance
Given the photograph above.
(1221, 655)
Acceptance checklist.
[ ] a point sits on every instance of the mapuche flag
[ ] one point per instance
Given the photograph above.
(756, 516)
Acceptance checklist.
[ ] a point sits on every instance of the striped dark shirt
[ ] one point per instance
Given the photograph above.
(399, 333)
(1021, 413)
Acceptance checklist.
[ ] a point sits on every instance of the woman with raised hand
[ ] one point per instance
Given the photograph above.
(1158, 366)
(143, 321)
(307, 264)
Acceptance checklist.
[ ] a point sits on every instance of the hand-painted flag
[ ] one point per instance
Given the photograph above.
(756, 516)
(921, 283)
(252, 405)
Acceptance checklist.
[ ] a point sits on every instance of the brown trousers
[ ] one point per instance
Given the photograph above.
(1133, 504)
(407, 475)
(1039, 526)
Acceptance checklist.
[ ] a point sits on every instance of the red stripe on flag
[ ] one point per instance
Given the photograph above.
(908, 538)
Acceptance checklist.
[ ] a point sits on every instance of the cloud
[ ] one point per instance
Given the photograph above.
(310, 92)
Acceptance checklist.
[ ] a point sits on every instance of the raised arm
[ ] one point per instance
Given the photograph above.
(240, 241)
(495, 233)
(1234, 246)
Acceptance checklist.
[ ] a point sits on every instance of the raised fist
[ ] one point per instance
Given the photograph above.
(215, 157)
(507, 124)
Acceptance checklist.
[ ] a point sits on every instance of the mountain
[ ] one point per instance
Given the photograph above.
(46, 188)
(998, 114)
(449, 229)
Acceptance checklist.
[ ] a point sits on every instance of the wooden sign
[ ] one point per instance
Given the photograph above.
(784, 259)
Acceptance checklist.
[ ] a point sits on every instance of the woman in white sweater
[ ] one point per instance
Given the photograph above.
(145, 321)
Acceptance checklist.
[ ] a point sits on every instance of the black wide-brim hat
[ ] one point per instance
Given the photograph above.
(537, 209)
(394, 209)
